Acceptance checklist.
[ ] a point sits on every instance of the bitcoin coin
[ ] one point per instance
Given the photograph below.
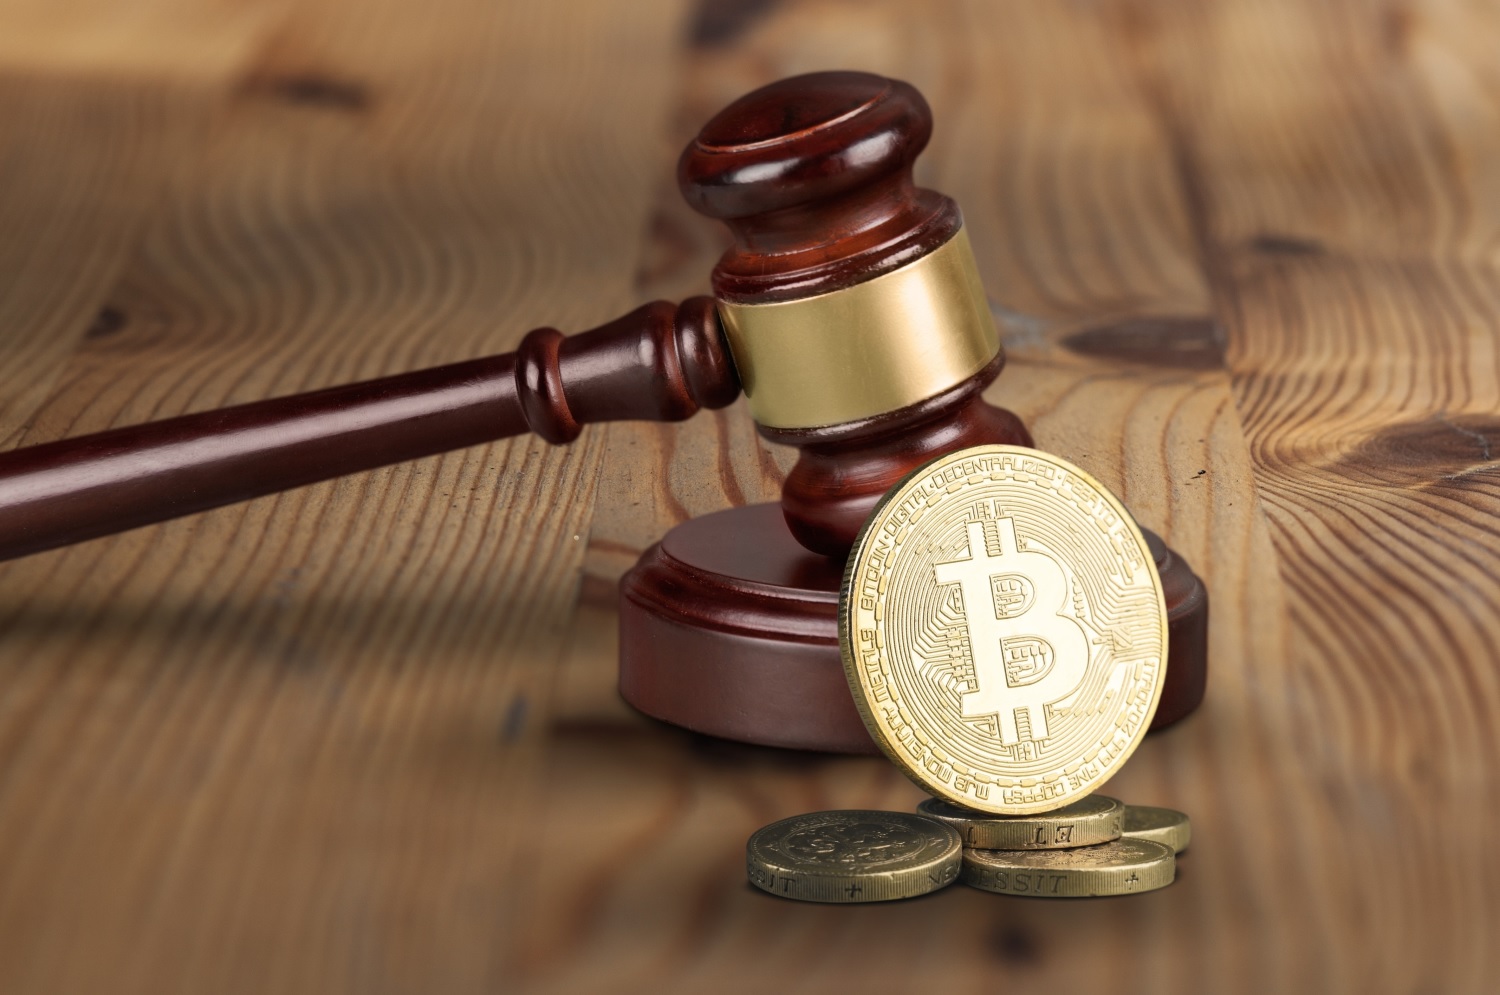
(853, 856)
(1123, 867)
(1003, 630)
(1095, 819)
(1161, 825)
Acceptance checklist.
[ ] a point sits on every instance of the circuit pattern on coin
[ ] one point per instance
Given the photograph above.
(853, 856)
(1123, 867)
(1004, 630)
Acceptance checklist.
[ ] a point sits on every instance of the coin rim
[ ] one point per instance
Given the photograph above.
(1182, 829)
(987, 831)
(851, 668)
(994, 860)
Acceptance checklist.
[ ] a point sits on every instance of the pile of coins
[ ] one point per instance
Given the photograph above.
(1004, 635)
(1093, 847)
(1097, 846)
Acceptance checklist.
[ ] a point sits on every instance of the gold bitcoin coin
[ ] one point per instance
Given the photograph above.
(853, 856)
(1123, 867)
(1091, 820)
(1160, 825)
(1003, 630)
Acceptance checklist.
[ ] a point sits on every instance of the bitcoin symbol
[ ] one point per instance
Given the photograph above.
(1026, 653)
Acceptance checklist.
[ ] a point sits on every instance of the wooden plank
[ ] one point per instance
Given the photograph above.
(197, 40)
(1244, 257)
(1085, 240)
(1338, 157)
(83, 161)
(286, 746)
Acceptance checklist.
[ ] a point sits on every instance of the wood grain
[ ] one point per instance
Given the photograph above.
(364, 737)
(260, 726)
(1361, 300)
(86, 160)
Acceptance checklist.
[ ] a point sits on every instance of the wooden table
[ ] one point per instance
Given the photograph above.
(363, 737)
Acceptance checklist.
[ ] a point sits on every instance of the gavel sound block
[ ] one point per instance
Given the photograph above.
(849, 310)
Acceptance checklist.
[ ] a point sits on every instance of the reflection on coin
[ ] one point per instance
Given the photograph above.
(1160, 825)
(853, 856)
(1003, 630)
(1091, 820)
(1123, 867)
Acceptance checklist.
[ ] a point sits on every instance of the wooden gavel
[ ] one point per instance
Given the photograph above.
(854, 315)
(849, 309)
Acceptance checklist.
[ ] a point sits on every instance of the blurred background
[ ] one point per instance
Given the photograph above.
(364, 736)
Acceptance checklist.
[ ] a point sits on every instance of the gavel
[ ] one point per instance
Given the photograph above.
(850, 312)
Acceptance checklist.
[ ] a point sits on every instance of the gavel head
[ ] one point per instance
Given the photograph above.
(850, 299)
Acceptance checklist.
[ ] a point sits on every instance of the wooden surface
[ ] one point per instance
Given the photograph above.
(363, 737)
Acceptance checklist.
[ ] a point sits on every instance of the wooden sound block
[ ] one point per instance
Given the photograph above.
(729, 627)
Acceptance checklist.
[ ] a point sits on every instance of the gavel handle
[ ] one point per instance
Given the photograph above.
(661, 362)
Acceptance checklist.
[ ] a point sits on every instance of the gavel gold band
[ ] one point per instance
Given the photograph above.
(868, 349)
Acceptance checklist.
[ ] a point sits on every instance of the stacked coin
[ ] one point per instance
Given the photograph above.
(1093, 847)
(1096, 846)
